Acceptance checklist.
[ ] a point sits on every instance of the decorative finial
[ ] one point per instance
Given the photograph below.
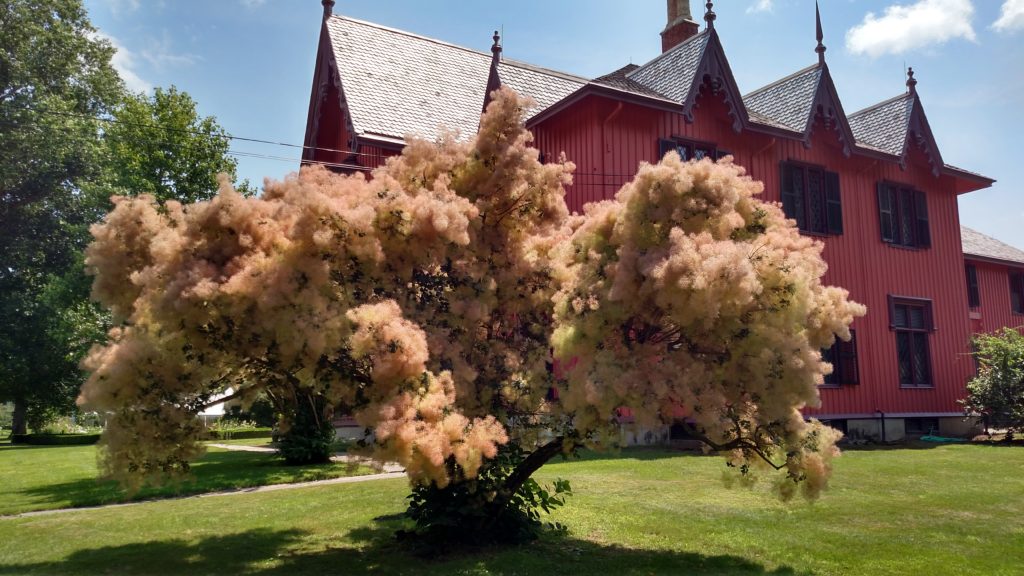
(911, 82)
(496, 47)
(821, 35)
(709, 15)
(328, 8)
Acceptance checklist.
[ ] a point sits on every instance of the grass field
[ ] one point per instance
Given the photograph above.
(48, 477)
(945, 510)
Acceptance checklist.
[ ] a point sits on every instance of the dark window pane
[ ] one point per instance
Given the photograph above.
(833, 201)
(903, 352)
(973, 293)
(900, 316)
(924, 235)
(917, 317)
(921, 365)
(907, 220)
(701, 153)
(816, 221)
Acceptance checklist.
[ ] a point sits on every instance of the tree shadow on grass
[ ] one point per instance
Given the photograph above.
(215, 471)
(374, 550)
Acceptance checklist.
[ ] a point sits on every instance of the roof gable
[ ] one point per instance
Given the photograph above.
(888, 127)
(787, 102)
(796, 101)
(679, 73)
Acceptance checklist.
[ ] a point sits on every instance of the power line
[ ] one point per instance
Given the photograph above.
(343, 165)
(195, 132)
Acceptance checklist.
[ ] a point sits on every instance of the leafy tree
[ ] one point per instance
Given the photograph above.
(55, 77)
(60, 165)
(428, 301)
(997, 392)
(160, 145)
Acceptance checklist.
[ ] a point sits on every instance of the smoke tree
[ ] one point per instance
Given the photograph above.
(432, 299)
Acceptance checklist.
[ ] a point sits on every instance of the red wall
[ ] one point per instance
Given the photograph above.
(994, 312)
(607, 141)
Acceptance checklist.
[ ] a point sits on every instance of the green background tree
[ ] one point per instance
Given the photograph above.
(72, 136)
(997, 392)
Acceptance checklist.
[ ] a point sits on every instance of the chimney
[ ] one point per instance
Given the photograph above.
(680, 27)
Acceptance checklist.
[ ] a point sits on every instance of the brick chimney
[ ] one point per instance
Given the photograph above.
(680, 25)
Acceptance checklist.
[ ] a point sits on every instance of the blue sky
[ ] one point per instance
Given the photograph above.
(250, 62)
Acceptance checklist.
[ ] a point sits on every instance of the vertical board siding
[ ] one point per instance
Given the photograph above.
(608, 140)
(994, 312)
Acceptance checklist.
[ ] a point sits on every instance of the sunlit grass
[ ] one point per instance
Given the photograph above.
(946, 510)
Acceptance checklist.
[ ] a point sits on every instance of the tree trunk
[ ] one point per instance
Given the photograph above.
(20, 417)
(521, 474)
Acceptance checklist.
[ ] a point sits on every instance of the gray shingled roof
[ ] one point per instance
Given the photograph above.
(543, 85)
(786, 102)
(620, 80)
(672, 73)
(977, 244)
(885, 125)
(397, 83)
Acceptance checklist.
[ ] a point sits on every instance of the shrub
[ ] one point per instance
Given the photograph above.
(56, 439)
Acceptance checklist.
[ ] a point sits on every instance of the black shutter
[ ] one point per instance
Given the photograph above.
(892, 311)
(664, 147)
(973, 294)
(847, 353)
(1017, 292)
(793, 194)
(885, 212)
(834, 203)
(924, 236)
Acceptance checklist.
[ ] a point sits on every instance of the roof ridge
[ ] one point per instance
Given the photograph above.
(782, 80)
(407, 33)
(880, 104)
(700, 35)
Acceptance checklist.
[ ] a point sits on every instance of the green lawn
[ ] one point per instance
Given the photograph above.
(946, 510)
(47, 477)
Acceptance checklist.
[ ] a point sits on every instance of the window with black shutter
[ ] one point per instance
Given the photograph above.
(689, 149)
(911, 321)
(843, 358)
(973, 294)
(903, 216)
(811, 196)
(1017, 292)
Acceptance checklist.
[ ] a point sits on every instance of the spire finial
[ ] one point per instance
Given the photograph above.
(709, 15)
(820, 35)
(328, 8)
(911, 81)
(496, 47)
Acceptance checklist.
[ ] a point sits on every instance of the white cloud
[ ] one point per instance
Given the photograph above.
(124, 62)
(761, 6)
(121, 7)
(1012, 16)
(253, 3)
(904, 28)
(160, 54)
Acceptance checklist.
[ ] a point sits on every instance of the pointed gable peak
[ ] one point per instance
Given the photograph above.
(893, 125)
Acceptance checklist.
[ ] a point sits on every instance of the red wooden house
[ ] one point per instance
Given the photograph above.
(872, 184)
